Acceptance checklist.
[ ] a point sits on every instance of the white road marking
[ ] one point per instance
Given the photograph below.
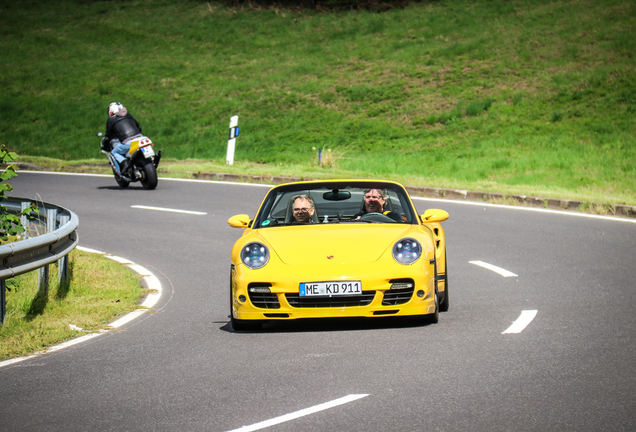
(473, 203)
(503, 272)
(533, 209)
(218, 182)
(301, 413)
(152, 283)
(118, 259)
(168, 210)
(160, 178)
(522, 322)
(64, 173)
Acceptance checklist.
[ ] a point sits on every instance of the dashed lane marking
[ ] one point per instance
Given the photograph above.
(501, 271)
(522, 322)
(301, 413)
(143, 207)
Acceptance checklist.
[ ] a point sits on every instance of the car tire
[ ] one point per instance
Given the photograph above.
(242, 325)
(434, 317)
(445, 303)
(427, 319)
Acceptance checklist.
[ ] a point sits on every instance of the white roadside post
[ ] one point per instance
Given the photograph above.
(231, 143)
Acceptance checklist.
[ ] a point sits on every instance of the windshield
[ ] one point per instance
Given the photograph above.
(337, 203)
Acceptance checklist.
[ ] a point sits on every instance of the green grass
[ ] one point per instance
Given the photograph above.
(99, 290)
(534, 97)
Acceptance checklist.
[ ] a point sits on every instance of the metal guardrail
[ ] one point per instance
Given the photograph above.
(37, 252)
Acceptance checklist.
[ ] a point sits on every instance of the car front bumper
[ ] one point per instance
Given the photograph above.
(277, 295)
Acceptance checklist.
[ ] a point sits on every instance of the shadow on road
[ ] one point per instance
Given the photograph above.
(333, 325)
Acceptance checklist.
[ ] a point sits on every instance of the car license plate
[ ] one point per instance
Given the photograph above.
(148, 151)
(329, 289)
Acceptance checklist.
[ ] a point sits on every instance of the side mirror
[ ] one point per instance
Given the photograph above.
(239, 221)
(434, 215)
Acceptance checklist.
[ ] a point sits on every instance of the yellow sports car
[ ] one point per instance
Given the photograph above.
(338, 248)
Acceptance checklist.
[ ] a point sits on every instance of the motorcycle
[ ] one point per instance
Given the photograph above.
(142, 163)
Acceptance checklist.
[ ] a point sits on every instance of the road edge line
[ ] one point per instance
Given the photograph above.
(151, 299)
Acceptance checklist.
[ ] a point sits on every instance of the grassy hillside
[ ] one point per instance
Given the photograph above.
(535, 96)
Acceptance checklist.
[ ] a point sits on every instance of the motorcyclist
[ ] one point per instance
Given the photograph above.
(121, 129)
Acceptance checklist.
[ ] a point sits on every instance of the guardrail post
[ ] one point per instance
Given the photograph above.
(3, 302)
(24, 220)
(62, 263)
(43, 272)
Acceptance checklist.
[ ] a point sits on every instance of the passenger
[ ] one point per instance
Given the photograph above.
(303, 209)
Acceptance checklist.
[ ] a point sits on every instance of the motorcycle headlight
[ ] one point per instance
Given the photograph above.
(407, 251)
(255, 255)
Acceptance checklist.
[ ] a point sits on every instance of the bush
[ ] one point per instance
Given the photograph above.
(10, 224)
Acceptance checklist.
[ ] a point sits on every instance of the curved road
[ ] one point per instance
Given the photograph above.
(183, 368)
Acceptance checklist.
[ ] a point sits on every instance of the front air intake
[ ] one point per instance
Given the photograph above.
(261, 297)
(400, 293)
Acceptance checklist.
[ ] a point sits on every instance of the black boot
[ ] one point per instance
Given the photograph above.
(124, 167)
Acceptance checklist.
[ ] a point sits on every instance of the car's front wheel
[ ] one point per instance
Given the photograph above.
(445, 303)
(434, 317)
(242, 325)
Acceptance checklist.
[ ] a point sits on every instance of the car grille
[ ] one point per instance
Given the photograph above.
(296, 301)
(264, 301)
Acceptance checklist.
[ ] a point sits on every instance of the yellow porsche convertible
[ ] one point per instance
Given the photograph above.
(338, 248)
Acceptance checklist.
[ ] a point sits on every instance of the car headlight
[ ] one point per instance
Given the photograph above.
(255, 255)
(407, 251)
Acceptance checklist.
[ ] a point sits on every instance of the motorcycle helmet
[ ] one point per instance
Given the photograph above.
(114, 108)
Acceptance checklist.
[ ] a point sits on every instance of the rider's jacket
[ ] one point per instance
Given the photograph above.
(122, 126)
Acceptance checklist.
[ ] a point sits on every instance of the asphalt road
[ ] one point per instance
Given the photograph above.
(182, 367)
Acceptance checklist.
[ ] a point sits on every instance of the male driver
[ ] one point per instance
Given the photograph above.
(303, 208)
(374, 200)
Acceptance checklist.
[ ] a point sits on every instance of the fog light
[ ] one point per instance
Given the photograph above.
(420, 293)
(242, 298)
(401, 285)
(260, 290)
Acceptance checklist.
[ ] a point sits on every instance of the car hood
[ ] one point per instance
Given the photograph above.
(337, 244)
